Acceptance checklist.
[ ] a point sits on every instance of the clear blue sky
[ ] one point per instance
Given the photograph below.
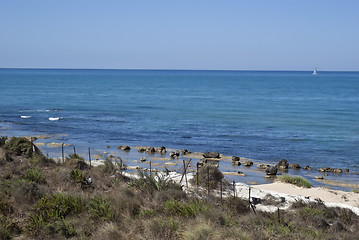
(169, 34)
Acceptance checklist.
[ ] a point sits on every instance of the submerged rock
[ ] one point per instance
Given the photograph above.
(325, 169)
(337, 170)
(185, 152)
(150, 150)
(124, 148)
(308, 168)
(248, 163)
(211, 155)
(294, 166)
(262, 166)
(161, 150)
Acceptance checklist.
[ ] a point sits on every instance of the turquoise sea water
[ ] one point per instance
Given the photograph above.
(310, 120)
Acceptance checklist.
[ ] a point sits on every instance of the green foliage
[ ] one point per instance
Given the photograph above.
(4, 205)
(100, 208)
(298, 181)
(237, 205)
(78, 176)
(2, 140)
(75, 156)
(164, 228)
(6, 226)
(153, 182)
(53, 208)
(208, 175)
(21, 146)
(40, 159)
(184, 209)
(63, 228)
(34, 175)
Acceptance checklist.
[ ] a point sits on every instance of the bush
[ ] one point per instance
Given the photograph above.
(184, 209)
(298, 181)
(53, 208)
(33, 175)
(78, 176)
(21, 146)
(100, 208)
(2, 140)
(237, 205)
(153, 182)
(75, 156)
(205, 173)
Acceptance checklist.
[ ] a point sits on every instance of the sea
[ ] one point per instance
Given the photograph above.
(262, 115)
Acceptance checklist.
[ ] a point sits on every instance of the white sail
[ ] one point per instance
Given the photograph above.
(315, 71)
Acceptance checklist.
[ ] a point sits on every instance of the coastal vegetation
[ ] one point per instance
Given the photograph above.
(44, 199)
(295, 180)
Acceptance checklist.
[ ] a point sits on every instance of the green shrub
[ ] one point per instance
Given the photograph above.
(62, 227)
(208, 176)
(153, 182)
(75, 156)
(2, 140)
(100, 208)
(53, 208)
(237, 205)
(21, 146)
(298, 181)
(163, 228)
(78, 176)
(33, 175)
(40, 159)
(190, 209)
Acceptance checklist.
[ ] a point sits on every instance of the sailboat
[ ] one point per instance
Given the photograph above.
(315, 71)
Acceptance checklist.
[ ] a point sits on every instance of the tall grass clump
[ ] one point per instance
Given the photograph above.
(153, 182)
(53, 208)
(185, 209)
(298, 181)
(100, 208)
(34, 175)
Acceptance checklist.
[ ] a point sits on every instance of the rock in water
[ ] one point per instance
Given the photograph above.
(271, 170)
(282, 164)
(211, 155)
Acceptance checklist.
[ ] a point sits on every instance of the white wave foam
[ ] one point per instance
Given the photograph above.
(25, 116)
(55, 118)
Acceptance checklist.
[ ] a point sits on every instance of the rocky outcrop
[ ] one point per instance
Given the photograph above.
(282, 164)
(124, 148)
(235, 161)
(174, 154)
(325, 169)
(143, 159)
(211, 155)
(337, 170)
(294, 166)
(185, 152)
(308, 168)
(271, 170)
(161, 150)
(248, 163)
(262, 166)
(150, 150)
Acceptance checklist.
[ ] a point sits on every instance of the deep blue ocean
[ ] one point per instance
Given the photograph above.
(264, 115)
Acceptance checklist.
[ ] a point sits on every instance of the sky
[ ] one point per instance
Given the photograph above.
(173, 34)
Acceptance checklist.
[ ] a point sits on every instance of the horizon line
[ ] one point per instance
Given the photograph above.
(174, 69)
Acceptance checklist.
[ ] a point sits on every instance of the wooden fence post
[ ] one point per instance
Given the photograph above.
(62, 151)
(90, 156)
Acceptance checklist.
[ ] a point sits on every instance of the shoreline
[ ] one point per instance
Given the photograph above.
(252, 175)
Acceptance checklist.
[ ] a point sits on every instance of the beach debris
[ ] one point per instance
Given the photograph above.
(319, 177)
(262, 166)
(161, 150)
(211, 155)
(185, 152)
(143, 159)
(174, 154)
(308, 168)
(294, 166)
(271, 170)
(248, 163)
(282, 164)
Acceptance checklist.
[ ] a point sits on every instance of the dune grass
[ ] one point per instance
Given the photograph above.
(297, 181)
